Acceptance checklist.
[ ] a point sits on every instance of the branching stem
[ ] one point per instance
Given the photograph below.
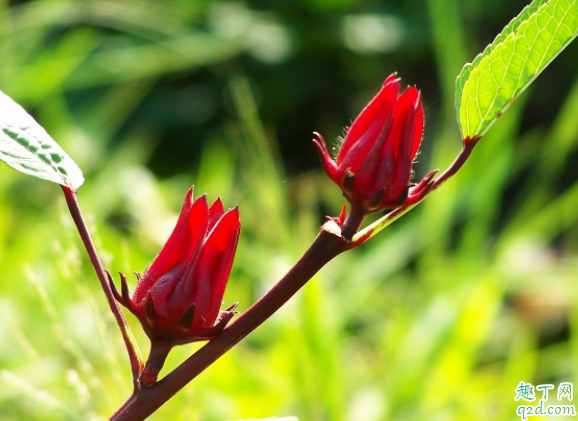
(329, 243)
(326, 246)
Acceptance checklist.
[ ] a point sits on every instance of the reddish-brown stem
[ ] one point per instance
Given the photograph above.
(156, 360)
(447, 174)
(326, 246)
(468, 146)
(131, 347)
(352, 223)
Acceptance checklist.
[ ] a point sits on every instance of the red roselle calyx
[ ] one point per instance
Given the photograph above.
(179, 296)
(374, 163)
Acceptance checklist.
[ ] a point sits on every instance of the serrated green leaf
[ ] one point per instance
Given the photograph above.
(486, 87)
(28, 148)
(510, 28)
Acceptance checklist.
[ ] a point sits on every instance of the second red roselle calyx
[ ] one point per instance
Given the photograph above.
(178, 298)
(374, 164)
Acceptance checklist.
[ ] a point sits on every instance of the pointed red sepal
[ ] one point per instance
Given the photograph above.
(151, 312)
(370, 135)
(125, 292)
(420, 190)
(348, 184)
(371, 119)
(342, 214)
(124, 296)
(187, 319)
(223, 320)
(419, 125)
(115, 292)
(172, 251)
(177, 253)
(213, 268)
(375, 202)
(216, 211)
(328, 163)
(398, 151)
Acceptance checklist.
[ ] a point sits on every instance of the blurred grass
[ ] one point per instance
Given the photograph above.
(438, 318)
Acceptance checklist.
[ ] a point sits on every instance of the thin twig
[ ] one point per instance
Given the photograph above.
(467, 148)
(129, 341)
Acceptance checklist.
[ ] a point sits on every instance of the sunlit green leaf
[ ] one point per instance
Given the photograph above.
(487, 87)
(26, 147)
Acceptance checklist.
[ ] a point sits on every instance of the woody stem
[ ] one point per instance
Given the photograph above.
(326, 246)
(129, 341)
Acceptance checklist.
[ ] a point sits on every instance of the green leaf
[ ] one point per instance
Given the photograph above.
(486, 87)
(26, 147)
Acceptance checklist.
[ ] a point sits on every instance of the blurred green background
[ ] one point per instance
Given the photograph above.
(437, 318)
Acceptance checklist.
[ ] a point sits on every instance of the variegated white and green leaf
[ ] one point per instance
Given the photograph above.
(28, 148)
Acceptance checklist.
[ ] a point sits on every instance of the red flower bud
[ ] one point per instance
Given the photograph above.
(179, 296)
(373, 165)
